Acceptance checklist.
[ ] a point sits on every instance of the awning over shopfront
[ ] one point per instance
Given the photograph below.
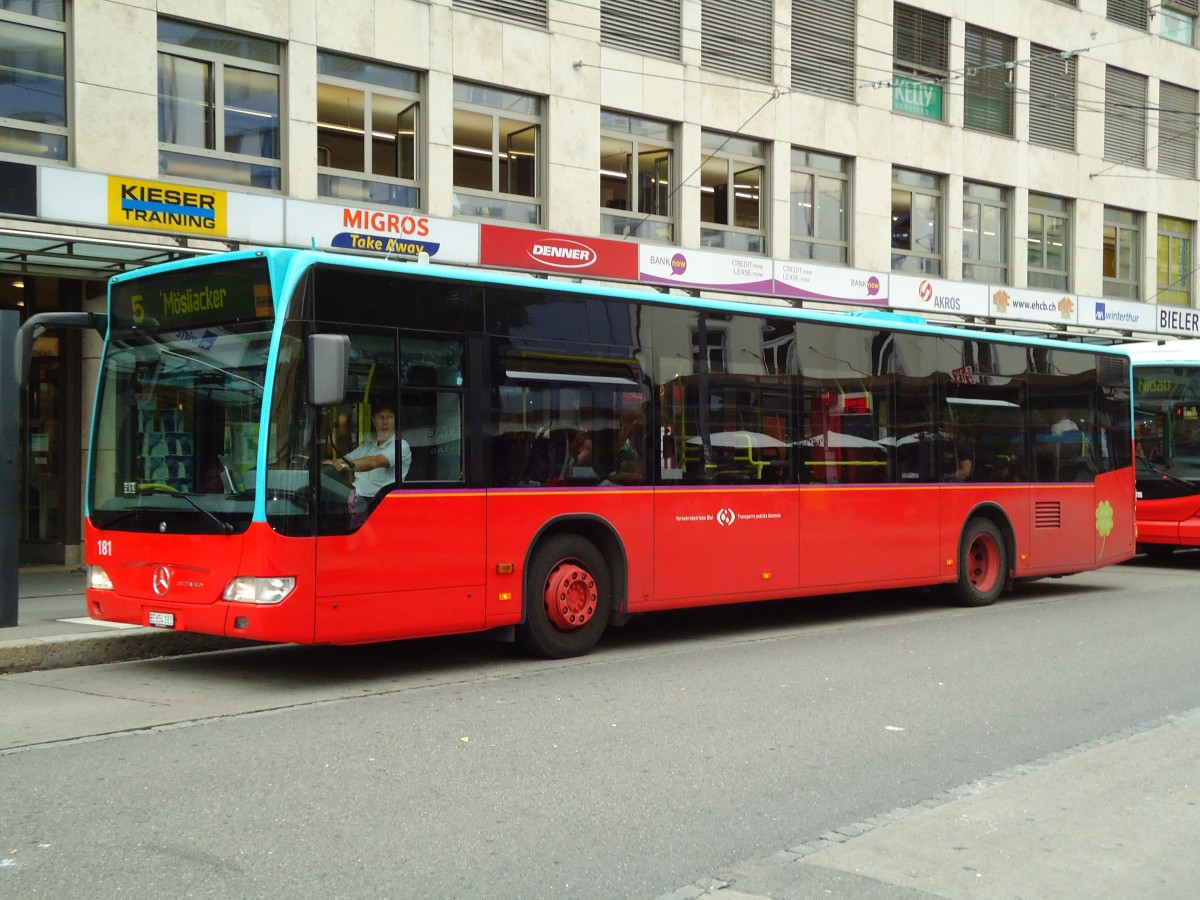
(69, 256)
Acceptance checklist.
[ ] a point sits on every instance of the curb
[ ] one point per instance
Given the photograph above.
(66, 651)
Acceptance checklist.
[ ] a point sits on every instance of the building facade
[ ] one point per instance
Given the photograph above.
(1032, 160)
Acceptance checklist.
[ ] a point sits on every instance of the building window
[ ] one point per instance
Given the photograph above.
(497, 153)
(1049, 242)
(921, 58)
(636, 177)
(33, 79)
(732, 186)
(218, 106)
(916, 222)
(1128, 12)
(1175, 261)
(820, 206)
(653, 27)
(1052, 91)
(368, 123)
(1122, 248)
(823, 37)
(1124, 117)
(1177, 20)
(988, 84)
(522, 12)
(1177, 130)
(736, 38)
(985, 233)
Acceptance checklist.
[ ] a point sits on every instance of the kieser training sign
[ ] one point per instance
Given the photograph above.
(520, 248)
(159, 206)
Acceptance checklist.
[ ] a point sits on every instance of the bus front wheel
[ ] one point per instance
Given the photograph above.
(569, 597)
(982, 564)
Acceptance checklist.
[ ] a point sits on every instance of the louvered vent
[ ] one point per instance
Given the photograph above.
(1124, 117)
(523, 12)
(1051, 98)
(1112, 371)
(1177, 130)
(1128, 12)
(1047, 514)
(735, 37)
(823, 47)
(643, 26)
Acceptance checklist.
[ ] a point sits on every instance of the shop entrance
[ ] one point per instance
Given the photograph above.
(52, 423)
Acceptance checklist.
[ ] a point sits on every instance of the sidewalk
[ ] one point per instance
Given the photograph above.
(53, 630)
(1114, 818)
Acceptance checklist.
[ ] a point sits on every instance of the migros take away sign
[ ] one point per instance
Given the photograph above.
(159, 206)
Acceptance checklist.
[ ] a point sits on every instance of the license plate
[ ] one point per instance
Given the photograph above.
(162, 619)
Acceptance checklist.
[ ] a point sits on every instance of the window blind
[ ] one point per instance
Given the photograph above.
(988, 91)
(921, 40)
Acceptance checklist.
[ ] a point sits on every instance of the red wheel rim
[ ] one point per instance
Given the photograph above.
(983, 563)
(570, 597)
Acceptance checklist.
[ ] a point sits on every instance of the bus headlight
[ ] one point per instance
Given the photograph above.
(98, 579)
(247, 589)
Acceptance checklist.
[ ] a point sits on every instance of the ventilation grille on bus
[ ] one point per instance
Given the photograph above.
(1112, 371)
(1047, 514)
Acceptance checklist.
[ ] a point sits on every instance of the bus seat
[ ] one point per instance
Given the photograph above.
(744, 453)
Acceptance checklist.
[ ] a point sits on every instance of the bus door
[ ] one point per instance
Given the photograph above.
(400, 543)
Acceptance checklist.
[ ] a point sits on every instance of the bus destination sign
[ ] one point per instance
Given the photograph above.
(191, 297)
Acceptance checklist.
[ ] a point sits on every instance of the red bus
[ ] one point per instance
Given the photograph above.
(1166, 410)
(565, 456)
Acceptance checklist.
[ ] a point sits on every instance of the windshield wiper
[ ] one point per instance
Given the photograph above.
(226, 527)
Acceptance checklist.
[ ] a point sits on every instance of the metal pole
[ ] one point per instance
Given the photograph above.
(10, 497)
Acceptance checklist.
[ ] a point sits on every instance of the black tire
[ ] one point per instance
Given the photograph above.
(570, 570)
(982, 564)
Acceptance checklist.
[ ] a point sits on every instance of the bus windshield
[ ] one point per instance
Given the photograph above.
(179, 406)
(1167, 418)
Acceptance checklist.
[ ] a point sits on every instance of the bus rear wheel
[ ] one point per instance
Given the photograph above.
(982, 564)
(568, 598)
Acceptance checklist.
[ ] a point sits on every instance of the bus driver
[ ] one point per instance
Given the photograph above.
(371, 466)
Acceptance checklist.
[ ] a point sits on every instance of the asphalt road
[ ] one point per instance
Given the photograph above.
(686, 744)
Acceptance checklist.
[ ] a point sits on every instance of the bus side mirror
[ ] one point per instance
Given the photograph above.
(328, 368)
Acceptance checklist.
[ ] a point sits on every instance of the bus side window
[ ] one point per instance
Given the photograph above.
(431, 407)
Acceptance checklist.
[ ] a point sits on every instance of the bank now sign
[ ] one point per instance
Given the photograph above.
(519, 248)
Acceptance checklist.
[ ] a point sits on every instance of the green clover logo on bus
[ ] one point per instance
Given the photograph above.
(1104, 521)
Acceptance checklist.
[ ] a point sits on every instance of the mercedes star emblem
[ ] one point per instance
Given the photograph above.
(162, 581)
